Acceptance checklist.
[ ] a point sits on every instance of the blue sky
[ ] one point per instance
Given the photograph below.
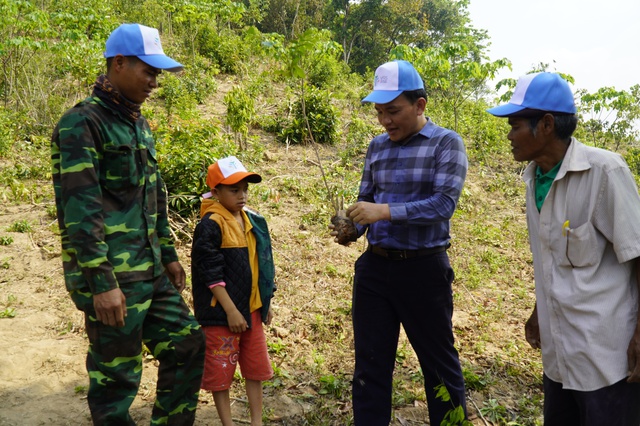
(597, 42)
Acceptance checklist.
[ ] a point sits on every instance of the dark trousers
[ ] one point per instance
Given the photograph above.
(417, 294)
(615, 405)
(158, 317)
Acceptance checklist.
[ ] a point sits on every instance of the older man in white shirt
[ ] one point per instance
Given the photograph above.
(583, 215)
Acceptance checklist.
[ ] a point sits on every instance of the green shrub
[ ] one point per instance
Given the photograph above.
(198, 79)
(184, 154)
(240, 110)
(179, 102)
(182, 93)
(334, 386)
(322, 117)
(325, 69)
(22, 226)
(632, 157)
(82, 33)
(357, 137)
(225, 47)
(7, 131)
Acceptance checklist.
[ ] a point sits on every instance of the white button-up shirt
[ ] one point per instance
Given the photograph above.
(584, 241)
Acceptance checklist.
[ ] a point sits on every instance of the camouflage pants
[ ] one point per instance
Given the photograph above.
(158, 317)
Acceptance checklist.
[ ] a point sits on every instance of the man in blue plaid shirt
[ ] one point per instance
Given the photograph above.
(413, 176)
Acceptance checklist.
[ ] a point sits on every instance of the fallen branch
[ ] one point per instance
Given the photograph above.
(478, 410)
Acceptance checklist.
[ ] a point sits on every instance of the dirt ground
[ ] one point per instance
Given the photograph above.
(42, 375)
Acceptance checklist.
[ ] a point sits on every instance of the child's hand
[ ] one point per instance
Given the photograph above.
(237, 323)
(269, 316)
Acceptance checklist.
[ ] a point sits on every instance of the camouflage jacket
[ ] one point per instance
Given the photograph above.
(110, 198)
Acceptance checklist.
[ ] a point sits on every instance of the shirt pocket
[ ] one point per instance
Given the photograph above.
(580, 247)
(119, 168)
(150, 159)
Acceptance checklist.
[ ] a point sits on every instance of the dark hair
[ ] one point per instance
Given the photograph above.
(132, 60)
(413, 95)
(564, 124)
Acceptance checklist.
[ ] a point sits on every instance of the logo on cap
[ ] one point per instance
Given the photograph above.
(391, 79)
(228, 171)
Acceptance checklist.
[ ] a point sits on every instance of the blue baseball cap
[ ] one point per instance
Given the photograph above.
(143, 42)
(391, 79)
(542, 91)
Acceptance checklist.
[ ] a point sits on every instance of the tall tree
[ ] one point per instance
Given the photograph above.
(291, 18)
(445, 19)
(609, 116)
(457, 71)
(369, 29)
(23, 31)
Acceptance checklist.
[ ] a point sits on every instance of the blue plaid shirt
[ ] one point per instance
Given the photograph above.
(421, 180)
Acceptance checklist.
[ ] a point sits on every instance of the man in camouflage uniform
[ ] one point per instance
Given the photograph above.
(120, 265)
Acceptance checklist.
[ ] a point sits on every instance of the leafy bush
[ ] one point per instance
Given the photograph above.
(324, 65)
(484, 135)
(182, 93)
(358, 135)
(633, 160)
(322, 117)
(198, 79)
(225, 47)
(82, 34)
(323, 73)
(149, 12)
(178, 100)
(184, 154)
(240, 110)
(22, 226)
(8, 130)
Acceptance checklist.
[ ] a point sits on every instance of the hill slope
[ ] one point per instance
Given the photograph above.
(42, 378)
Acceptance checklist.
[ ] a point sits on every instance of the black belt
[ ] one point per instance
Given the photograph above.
(405, 254)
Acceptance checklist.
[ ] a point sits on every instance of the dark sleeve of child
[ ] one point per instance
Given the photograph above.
(207, 262)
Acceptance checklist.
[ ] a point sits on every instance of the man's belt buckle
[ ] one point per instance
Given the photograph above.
(406, 254)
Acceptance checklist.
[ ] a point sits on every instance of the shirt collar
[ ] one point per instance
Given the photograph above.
(575, 160)
(428, 129)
